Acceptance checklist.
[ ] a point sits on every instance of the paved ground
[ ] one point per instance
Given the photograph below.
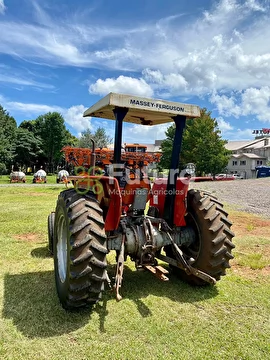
(252, 195)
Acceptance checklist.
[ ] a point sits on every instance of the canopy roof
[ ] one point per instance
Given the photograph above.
(141, 110)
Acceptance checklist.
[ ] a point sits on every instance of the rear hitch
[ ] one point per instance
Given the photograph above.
(181, 262)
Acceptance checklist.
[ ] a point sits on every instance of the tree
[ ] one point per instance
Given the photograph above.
(71, 140)
(51, 129)
(6, 149)
(27, 148)
(166, 148)
(8, 128)
(54, 135)
(99, 136)
(30, 125)
(202, 145)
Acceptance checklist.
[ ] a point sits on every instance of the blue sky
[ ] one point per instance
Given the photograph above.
(65, 55)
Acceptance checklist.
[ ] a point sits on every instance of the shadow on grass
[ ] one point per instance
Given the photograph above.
(137, 285)
(140, 284)
(41, 252)
(30, 300)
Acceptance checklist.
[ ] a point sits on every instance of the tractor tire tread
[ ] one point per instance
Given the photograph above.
(81, 242)
(77, 214)
(80, 226)
(86, 253)
(93, 206)
(78, 275)
(96, 245)
(213, 243)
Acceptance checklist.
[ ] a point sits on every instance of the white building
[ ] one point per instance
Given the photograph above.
(247, 155)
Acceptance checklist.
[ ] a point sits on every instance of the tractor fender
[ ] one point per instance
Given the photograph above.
(158, 194)
(112, 199)
(107, 192)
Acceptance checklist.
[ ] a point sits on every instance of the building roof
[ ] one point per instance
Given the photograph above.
(263, 143)
(237, 145)
(248, 155)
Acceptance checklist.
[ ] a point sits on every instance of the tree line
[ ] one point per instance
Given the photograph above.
(36, 143)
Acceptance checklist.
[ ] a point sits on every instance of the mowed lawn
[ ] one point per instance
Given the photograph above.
(155, 320)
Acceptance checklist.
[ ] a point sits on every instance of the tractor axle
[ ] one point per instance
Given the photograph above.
(142, 239)
(145, 236)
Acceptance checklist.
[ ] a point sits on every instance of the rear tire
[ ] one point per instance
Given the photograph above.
(79, 249)
(213, 245)
(51, 219)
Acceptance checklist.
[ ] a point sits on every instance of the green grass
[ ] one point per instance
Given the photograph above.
(252, 252)
(254, 261)
(155, 320)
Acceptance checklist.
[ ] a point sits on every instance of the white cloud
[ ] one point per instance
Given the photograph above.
(174, 83)
(223, 125)
(40, 44)
(221, 12)
(257, 102)
(226, 105)
(12, 79)
(255, 5)
(55, 41)
(122, 84)
(30, 109)
(144, 134)
(2, 7)
(219, 53)
(252, 101)
(74, 117)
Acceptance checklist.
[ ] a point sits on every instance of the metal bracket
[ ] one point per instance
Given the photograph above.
(158, 271)
(184, 265)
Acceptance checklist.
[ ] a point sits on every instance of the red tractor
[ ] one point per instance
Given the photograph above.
(187, 229)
